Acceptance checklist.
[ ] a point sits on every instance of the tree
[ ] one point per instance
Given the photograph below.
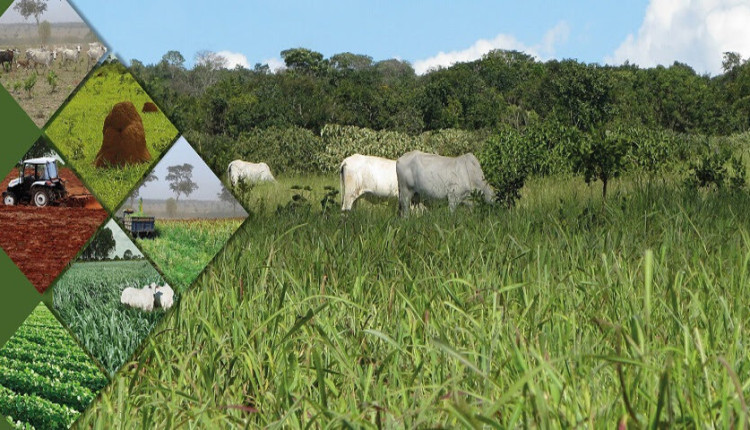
(205, 72)
(226, 196)
(149, 178)
(128, 255)
(101, 246)
(180, 179)
(45, 32)
(304, 60)
(28, 8)
(349, 61)
(174, 62)
(601, 155)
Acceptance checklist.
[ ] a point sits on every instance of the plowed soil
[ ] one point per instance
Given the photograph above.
(42, 241)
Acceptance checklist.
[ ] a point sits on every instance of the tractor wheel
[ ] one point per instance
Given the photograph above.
(9, 199)
(41, 198)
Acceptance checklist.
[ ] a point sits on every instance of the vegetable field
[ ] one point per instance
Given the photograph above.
(46, 379)
(77, 131)
(183, 248)
(87, 298)
(559, 313)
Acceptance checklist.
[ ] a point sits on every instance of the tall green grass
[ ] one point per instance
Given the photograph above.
(182, 249)
(560, 313)
(87, 299)
(77, 132)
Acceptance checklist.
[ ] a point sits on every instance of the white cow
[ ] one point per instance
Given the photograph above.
(139, 298)
(366, 175)
(96, 51)
(164, 296)
(251, 172)
(69, 55)
(40, 56)
(429, 176)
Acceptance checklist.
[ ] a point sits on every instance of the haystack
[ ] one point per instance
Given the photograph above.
(124, 140)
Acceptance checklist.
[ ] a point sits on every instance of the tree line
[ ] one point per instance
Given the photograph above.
(547, 116)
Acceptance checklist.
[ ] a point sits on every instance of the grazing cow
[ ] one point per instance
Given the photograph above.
(40, 56)
(366, 175)
(139, 298)
(429, 176)
(22, 63)
(69, 56)
(7, 57)
(251, 172)
(96, 51)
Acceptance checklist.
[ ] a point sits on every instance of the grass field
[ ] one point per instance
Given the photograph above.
(182, 249)
(87, 299)
(77, 132)
(46, 379)
(556, 314)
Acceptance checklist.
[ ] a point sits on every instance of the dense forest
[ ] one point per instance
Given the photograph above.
(564, 116)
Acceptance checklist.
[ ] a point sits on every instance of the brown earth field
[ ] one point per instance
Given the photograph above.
(42, 241)
(42, 102)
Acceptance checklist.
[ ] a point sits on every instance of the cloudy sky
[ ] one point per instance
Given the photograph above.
(428, 33)
(209, 186)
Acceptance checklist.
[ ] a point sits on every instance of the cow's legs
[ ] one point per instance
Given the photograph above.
(404, 201)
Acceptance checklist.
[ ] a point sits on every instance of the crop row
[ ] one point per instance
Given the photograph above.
(29, 382)
(47, 338)
(93, 380)
(24, 352)
(34, 410)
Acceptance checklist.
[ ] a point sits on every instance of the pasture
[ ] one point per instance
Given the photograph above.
(183, 248)
(40, 97)
(87, 299)
(559, 313)
(77, 131)
(46, 379)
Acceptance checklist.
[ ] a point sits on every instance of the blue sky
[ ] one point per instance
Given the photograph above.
(645, 32)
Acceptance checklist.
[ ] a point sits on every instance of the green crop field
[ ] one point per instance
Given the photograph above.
(77, 132)
(182, 249)
(559, 313)
(46, 379)
(87, 298)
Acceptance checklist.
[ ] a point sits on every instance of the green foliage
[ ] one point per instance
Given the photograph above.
(47, 380)
(101, 246)
(716, 167)
(87, 299)
(52, 80)
(180, 178)
(506, 161)
(182, 249)
(77, 132)
(601, 156)
(29, 83)
(552, 315)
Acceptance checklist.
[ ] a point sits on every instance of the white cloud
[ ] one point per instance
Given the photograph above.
(234, 59)
(692, 32)
(275, 64)
(546, 48)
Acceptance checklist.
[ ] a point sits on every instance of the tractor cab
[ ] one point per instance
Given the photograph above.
(37, 182)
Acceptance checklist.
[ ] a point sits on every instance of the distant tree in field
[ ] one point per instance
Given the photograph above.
(180, 179)
(127, 255)
(171, 206)
(149, 178)
(29, 8)
(602, 156)
(45, 32)
(101, 246)
(226, 196)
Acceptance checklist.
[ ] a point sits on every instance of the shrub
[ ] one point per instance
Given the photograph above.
(506, 160)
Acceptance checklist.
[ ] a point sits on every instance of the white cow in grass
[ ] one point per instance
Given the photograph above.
(366, 175)
(251, 172)
(434, 177)
(139, 298)
(164, 296)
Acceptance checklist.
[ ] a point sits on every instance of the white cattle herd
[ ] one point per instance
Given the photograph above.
(414, 178)
(148, 297)
(46, 56)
